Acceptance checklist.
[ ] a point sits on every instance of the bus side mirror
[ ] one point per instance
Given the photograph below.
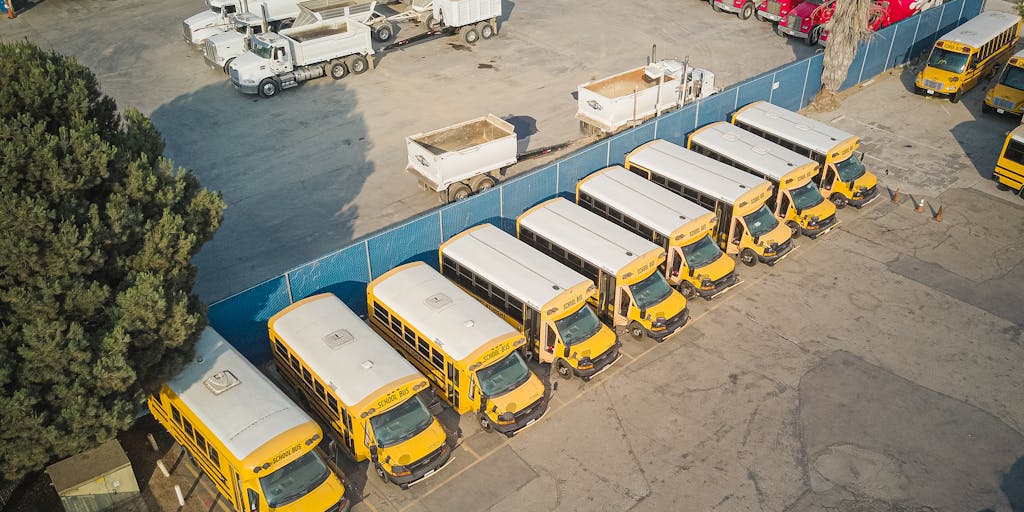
(757, 239)
(689, 271)
(373, 452)
(566, 352)
(643, 312)
(798, 211)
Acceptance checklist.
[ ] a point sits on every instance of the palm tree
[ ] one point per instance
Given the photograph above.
(847, 28)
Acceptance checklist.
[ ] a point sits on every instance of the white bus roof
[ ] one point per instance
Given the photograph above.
(711, 177)
(243, 416)
(980, 30)
(807, 132)
(1018, 133)
(530, 275)
(587, 235)
(748, 149)
(342, 350)
(441, 311)
(642, 200)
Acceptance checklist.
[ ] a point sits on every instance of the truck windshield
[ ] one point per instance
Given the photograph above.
(297, 479)
(760, 222)
(807, 196)
(948, 61)
(260, 48)
(578, 326)
(499, 378)
(850, 169)
(701, 253)
(1013, 77)
(401, 423)
(650, 291)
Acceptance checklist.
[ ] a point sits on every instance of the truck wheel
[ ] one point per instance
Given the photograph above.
(839, 200)
(338, 70)
(483, 184)
(470, 35)
(458, 192)
(686, 288)
(227, 65)
(486, 30)
(747, 11)
(382, 33)
(357, 64)
(748, 257)
(814, 35)
(757, 15)
(433, 23)
(268, 87)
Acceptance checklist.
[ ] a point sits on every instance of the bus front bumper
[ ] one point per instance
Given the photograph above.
(718, 287)
(425, 467)
(601, 362)
(821, 228)
(671, 326)
(869, 195)
(782, 251)
(525, 418)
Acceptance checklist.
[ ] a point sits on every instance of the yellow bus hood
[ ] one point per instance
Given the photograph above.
(865, 182)
(517, 399)
(822, 211)
(1005, 93)
(938, 75)
(715, 270)
(598, 344)
(326, 495)
(414, 449)
(674, 304)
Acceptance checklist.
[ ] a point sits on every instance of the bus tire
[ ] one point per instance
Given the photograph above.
(485, 424)
(747, 11)
(814, 35)
(458, 192)
(748, 257)
(839, 200)
(687, 289)
(795, 228)
(636, 331)
(955, 98)
(563, 369)
(380, 472)
(269, 88)
(988, 109)
(337, 70)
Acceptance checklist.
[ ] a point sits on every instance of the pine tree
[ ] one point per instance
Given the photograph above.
(96, 235)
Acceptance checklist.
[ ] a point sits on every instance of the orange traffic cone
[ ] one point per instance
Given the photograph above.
(938, 215)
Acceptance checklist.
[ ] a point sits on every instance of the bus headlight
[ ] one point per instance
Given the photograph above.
(506, 418)
(706, 283)
(399, 470)
(585, 364)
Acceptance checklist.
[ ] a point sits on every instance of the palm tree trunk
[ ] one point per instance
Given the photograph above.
(847, 28)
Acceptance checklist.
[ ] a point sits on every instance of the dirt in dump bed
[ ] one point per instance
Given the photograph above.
(313, 33)
(622, 85)
(462, 137)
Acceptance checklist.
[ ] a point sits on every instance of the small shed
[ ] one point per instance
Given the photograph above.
(94, 480)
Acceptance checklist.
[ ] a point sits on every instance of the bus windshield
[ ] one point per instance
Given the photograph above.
(948, 61)
(850, 169)
(701, 253)
(650, 291)
(295, 480)
(401, 423)
(578, 326)
(499, 378)
(1013, 77)
(807, 196)
(760, 222)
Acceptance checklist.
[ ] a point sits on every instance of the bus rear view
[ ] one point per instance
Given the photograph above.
(631, 292)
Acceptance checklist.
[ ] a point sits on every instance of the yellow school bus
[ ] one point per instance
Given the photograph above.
(694, 264)
(631, 292)
(257, 447)
(842, 177)
(469, 353)
(1007, 95)
(744, 226)
(1009, 172)
(797, 201)
(968, 53)
(545, 300)
(372, 397)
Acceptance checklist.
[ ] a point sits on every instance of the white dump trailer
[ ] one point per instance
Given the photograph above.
(280, 61)
(610, 104)
(462, 159)
(471, 19)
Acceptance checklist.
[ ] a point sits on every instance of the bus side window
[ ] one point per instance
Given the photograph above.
(549, 342)
(737, 231)
(623, 302)
(784, 205)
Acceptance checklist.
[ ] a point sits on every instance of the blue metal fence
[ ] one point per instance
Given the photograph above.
(242, 318)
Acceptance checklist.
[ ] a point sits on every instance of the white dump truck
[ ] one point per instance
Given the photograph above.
(610, 104)
(462, 159)
(222, 49)
(222, 14)
(286, 59)
(471, 19)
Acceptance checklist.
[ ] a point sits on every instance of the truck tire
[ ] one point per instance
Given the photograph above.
(486, 30)
(470, 35)
(382, 33)
(269, 87)
(747, 11)
(483, 184)
(458, 192)
(357, 64)
(434, 23)
(337, 69)
(814, 35)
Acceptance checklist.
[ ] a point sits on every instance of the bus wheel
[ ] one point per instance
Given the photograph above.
(563, 369)
(636, 331)
(987, 109)
(794, 227)
(686, 288)
(839, 200)
(485, 424)
(748, 257)
(380, 472)
(956, 96)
